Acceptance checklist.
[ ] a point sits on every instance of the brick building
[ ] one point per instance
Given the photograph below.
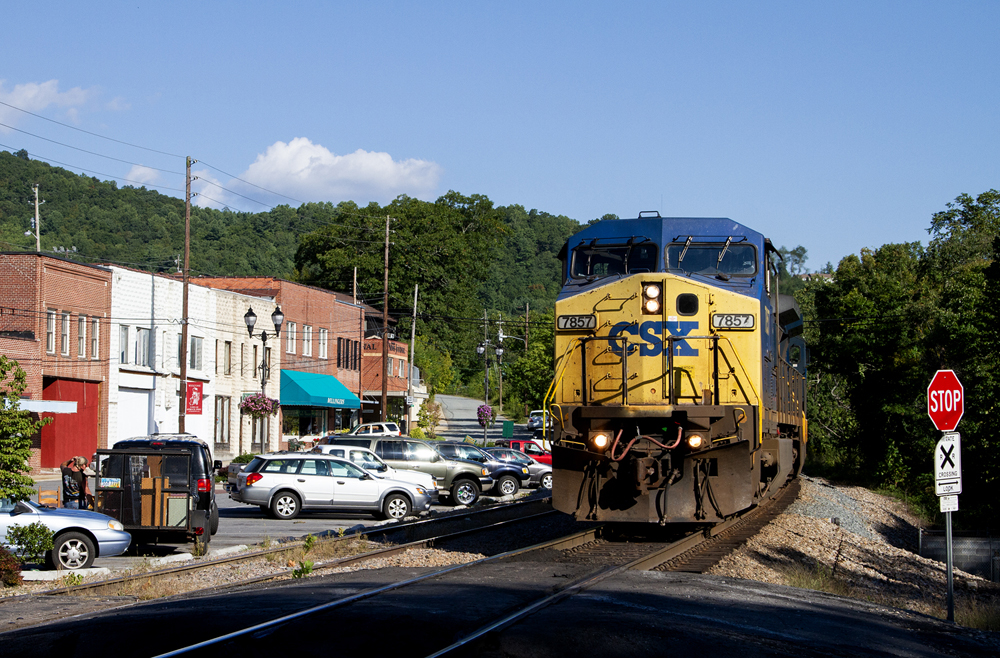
(54, 320)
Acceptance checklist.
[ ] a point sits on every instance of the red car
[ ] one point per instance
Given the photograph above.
(528, 447)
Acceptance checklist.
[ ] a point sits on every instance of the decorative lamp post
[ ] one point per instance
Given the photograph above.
(486, 412)
(251, 319)
(258, 405)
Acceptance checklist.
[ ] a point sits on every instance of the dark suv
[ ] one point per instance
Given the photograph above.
(161, 487)
(463, 479)
(507, 476)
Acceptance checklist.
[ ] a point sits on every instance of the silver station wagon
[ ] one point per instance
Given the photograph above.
(285, 484)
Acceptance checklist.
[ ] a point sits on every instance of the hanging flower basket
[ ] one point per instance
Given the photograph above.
(259, 405)
(485, 414)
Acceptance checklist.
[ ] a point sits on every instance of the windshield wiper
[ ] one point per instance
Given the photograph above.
(687, 243)
(723, 252)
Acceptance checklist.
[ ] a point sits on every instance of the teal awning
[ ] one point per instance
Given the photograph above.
(312, 389)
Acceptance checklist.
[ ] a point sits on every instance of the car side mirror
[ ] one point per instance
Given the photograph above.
(21, 507)
(217, 465)
(366, 476)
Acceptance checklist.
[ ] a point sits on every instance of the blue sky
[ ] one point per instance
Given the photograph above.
(837, 125)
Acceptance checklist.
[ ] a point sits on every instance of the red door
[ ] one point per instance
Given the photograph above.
(69, 435)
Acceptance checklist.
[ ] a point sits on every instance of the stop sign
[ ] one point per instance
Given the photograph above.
(945, 400)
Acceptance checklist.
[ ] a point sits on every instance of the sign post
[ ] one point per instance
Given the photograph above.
(945, 406)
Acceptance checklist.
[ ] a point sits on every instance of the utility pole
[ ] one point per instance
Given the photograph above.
(500, 362)
(526, 304)
(182, 407)
(361, 351)
(385, 326)
(409, 361)
(38, 225)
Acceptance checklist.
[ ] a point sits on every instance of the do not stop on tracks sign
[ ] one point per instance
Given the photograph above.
(945, 400)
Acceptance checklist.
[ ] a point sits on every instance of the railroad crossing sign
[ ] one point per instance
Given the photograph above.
(945, 400)
(948, 465)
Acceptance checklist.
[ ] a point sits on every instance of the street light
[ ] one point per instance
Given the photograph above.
(251, 319)
(481, 349)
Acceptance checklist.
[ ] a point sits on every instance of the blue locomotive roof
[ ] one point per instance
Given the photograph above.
(683, 232)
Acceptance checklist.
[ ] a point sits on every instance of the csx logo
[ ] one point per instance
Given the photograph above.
(652, 333)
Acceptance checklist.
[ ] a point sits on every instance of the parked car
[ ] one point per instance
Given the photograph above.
(79, 536)
(463, 480)
(541, 474)
(507, 476)
(530, 448)
(539, 419)
(161, 487)
(372, 463)
(287, 483)
(372, 429)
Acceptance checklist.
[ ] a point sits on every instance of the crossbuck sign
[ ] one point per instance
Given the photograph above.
(948, 465)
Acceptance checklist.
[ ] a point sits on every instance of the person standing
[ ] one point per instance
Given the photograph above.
(73, 484)
(86, 498)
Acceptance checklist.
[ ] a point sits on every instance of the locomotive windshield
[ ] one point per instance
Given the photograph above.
(594, 259)
(729, 257)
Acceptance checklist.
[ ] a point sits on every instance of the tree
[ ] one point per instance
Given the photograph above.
(528, 378)
(16, 430)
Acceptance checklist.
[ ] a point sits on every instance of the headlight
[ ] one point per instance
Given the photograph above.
(486, 472)
(525, 470)
(601, 440)
(695, 441)
(422, 491)
(651, 298)
(116, 525)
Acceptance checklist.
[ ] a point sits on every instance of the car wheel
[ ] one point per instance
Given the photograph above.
(396, 506)
(72, 550)
(507, 486)
(464, 492)
(546, 481)
(215, 518)
(285, 506)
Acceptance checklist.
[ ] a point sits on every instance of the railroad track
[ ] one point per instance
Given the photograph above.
(403, 536)
(585, 550)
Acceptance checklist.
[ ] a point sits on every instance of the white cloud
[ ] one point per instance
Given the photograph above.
(311, 172)
(35, 96)
(118, 104)
(141, 175)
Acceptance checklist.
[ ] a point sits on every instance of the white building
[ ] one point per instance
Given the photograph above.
(144, 373)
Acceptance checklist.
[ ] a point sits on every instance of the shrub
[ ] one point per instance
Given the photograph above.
(31, 541)
(245, 458)
(417, 433)
(10, 569)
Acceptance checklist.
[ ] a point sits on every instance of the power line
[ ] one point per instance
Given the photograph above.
(100, 155)
(111, 139)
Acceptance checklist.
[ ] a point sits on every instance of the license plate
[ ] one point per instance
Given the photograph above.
(572, 322)
(733, 321)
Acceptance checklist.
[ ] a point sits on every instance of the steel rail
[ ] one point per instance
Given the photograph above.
(646, 562)
(563, 542)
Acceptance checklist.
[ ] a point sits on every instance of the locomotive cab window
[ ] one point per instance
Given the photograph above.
(728, 257)
(593, 260)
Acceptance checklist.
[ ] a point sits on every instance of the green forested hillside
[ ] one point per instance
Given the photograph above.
(467, 256)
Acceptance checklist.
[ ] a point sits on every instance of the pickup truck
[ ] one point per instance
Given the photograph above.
(528, 447)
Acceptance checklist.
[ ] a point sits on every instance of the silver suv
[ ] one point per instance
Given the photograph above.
(464, 480)
(287, 483)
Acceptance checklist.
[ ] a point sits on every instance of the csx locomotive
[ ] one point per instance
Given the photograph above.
(679, 389)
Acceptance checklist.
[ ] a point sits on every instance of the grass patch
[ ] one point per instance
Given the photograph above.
(817, 577)
(980, 614)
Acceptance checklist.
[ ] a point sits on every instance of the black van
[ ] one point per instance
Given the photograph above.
(161, 487)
